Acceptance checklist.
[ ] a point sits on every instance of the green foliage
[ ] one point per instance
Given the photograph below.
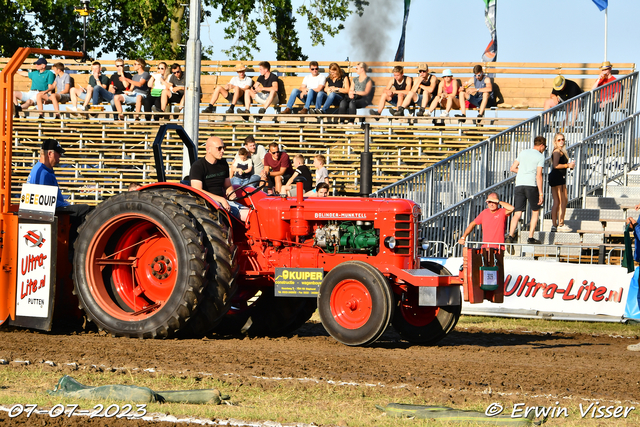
(15, 31)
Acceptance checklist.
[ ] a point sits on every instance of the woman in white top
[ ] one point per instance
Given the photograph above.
(157, 84)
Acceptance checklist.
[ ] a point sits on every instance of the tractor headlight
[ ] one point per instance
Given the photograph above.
(390, 242)
(424, 244)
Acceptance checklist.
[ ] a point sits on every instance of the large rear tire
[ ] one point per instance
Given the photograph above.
(355, 303)
(221, 261)
(420, 324)
(139, 266)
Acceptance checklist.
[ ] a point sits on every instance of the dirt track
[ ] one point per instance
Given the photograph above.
(468, 365)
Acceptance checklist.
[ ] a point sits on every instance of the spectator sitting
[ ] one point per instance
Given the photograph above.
(563, 90)
(61, 95)
(493, 221)
(447, 96)
(478, 91)
(140, 89)
(264, 92)
(322, 174)
(86, 94)
(157, 83)
(335, 89)
(257, 153)
(232, 91)
(311, 86)
(421, 92)
(360, 92)
(41, 80)
(299, 169)
(175, 93)
(395, 92)
(277, 167)
(241, 168)
(321, 190)
(118, 83)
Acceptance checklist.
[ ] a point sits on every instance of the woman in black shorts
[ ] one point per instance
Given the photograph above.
(558, 183)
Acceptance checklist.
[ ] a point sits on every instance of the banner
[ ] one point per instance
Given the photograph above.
(491, 52)
(400, 52)
(602, 4)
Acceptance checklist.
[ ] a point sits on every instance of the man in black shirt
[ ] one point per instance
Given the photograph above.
(264, 92)
(299, 169)
(563, 90)
(211, 175)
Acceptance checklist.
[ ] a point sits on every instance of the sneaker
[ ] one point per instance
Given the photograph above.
(509, 239)
(72, 108)
(634, 347)
(462, 118)
(262, 110)
(17, 110)
(564, 228)
(399, 112)
(210, 109)
(444, 114)
(554, 229)
(428, 114)
(374, 112)
(420, 112)
(533, 241)
(155, 109)
(230, 109)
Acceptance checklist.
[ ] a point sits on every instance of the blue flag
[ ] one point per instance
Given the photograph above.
(602, 4)
(400, 52)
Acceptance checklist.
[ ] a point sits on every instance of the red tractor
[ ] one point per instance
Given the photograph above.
(166, 260)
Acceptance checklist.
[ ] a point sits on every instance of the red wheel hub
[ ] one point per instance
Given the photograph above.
(351, 304)
(142, 264)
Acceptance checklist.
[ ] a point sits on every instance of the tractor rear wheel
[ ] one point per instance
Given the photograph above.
(265, 314)
(421, 324)
(222, 269)
(355, 303)
(139, 266)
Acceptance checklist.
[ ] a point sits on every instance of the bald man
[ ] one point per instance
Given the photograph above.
(211, 175)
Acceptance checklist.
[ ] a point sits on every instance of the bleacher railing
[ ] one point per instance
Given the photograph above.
(605, 156)
(487, 163)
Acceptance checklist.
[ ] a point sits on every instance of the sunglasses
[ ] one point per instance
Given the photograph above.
(160, 68)
(560, 139)
(219, 148)
(119, 65)
(274, 152)
(177, 71)
(422, 71)
(314, 68)
(489, 201)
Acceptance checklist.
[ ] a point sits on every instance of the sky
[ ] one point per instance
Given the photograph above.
(455, 31)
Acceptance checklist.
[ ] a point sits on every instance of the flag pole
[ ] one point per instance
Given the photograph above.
(606, 20)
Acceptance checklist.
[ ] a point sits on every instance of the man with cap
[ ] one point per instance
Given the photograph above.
(609, 94)
(41, 80)
(563, 90)
(42, 174)
(232, 91)
(493, 220)
(421, 92)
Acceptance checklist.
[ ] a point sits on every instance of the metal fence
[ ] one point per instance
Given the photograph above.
(607, 155)
(471, 171)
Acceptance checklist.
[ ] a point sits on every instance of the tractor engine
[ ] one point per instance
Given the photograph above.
(348, 237)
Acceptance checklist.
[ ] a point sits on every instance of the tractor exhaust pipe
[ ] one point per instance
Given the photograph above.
(366, 164)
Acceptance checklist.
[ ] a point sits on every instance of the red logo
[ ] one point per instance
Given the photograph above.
(34, 238)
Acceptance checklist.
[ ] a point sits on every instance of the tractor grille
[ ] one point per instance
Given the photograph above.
(403, 234)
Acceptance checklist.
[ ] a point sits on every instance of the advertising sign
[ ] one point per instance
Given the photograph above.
(38, 202)
(33, 287)
(298, 282)
(568, 290)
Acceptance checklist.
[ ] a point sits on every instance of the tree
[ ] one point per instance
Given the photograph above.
(158, 28)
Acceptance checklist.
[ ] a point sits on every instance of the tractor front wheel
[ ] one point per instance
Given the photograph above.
(139, 266)
(355, 303)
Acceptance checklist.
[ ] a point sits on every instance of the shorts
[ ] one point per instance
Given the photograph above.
(394, 100)
(524, 193)
(176, 98)
(65, 97)
(261, 97)
(29, 96)
(131, 99)
(82, 95)
(476, 100)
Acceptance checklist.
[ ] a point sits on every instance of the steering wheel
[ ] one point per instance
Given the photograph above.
(261, 184)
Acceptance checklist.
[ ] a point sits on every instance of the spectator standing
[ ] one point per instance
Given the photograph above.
(528, 167)
(139, 85)
(277, 167)
(299, 169)
(62, 85)
(174, 94)
(478, 91)
(493, 221)
(558, 183)
(322, 174)
(312, 85)
(335, 89)
(264, 92)
(86, 94)
(395, 92)
(420, 93)
(241, 168)
(41, 80)
(448, 96)
(360, 94)
(232, 91)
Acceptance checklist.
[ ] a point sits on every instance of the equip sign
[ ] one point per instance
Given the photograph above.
(298, 282)
(33, 287)
(38, 202)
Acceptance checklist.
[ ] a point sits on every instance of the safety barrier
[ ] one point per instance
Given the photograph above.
(487, 163)
(607, 155)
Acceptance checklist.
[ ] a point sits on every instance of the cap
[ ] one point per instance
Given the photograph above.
(423, 67)
(240, 67)
(605, 65)
(558, 83)
(447, 73)
(52, 144)
(41, 61)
